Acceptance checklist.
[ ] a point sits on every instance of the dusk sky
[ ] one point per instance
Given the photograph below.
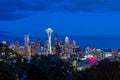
(65, 17)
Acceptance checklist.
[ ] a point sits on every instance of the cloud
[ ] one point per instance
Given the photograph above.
(8, 8)
(88, 5)
(11, 16)
(3, 33)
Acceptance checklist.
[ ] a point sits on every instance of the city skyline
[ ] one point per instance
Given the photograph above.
(65, 17)
(59, 39)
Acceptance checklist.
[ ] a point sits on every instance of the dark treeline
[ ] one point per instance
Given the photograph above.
(104, 70)
(51, 67)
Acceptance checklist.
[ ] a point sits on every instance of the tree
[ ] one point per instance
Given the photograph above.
(7, 72)
(48, 68)
(104, 70)
(108, 70)
(9, 61)
(7, 54)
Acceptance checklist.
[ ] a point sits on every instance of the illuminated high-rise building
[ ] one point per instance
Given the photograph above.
(66, 40)
(38, 43)
(26, 40)
(61, 42)
(21, 50)
(17, 45)
(74, 43)
(32, 44)
(56, 39)
(67, 44)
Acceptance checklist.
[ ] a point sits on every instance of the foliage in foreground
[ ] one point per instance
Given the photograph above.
(51, 68)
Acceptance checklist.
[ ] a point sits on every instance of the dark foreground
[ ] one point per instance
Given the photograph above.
(51, 67)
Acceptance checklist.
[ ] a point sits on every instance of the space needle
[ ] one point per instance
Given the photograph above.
(49, 32)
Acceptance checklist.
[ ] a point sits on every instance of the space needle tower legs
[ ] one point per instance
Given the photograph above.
(49, 32)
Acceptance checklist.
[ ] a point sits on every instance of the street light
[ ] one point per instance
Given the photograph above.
(49, 32)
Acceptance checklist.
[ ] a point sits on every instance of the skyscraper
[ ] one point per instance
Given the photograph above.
(66, 40)
(17, 45)
(56, 39)
(26, 40)
(74, 43)
(67, 45)
(32, 44)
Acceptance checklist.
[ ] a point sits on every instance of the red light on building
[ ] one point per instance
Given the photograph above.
(92, 60)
